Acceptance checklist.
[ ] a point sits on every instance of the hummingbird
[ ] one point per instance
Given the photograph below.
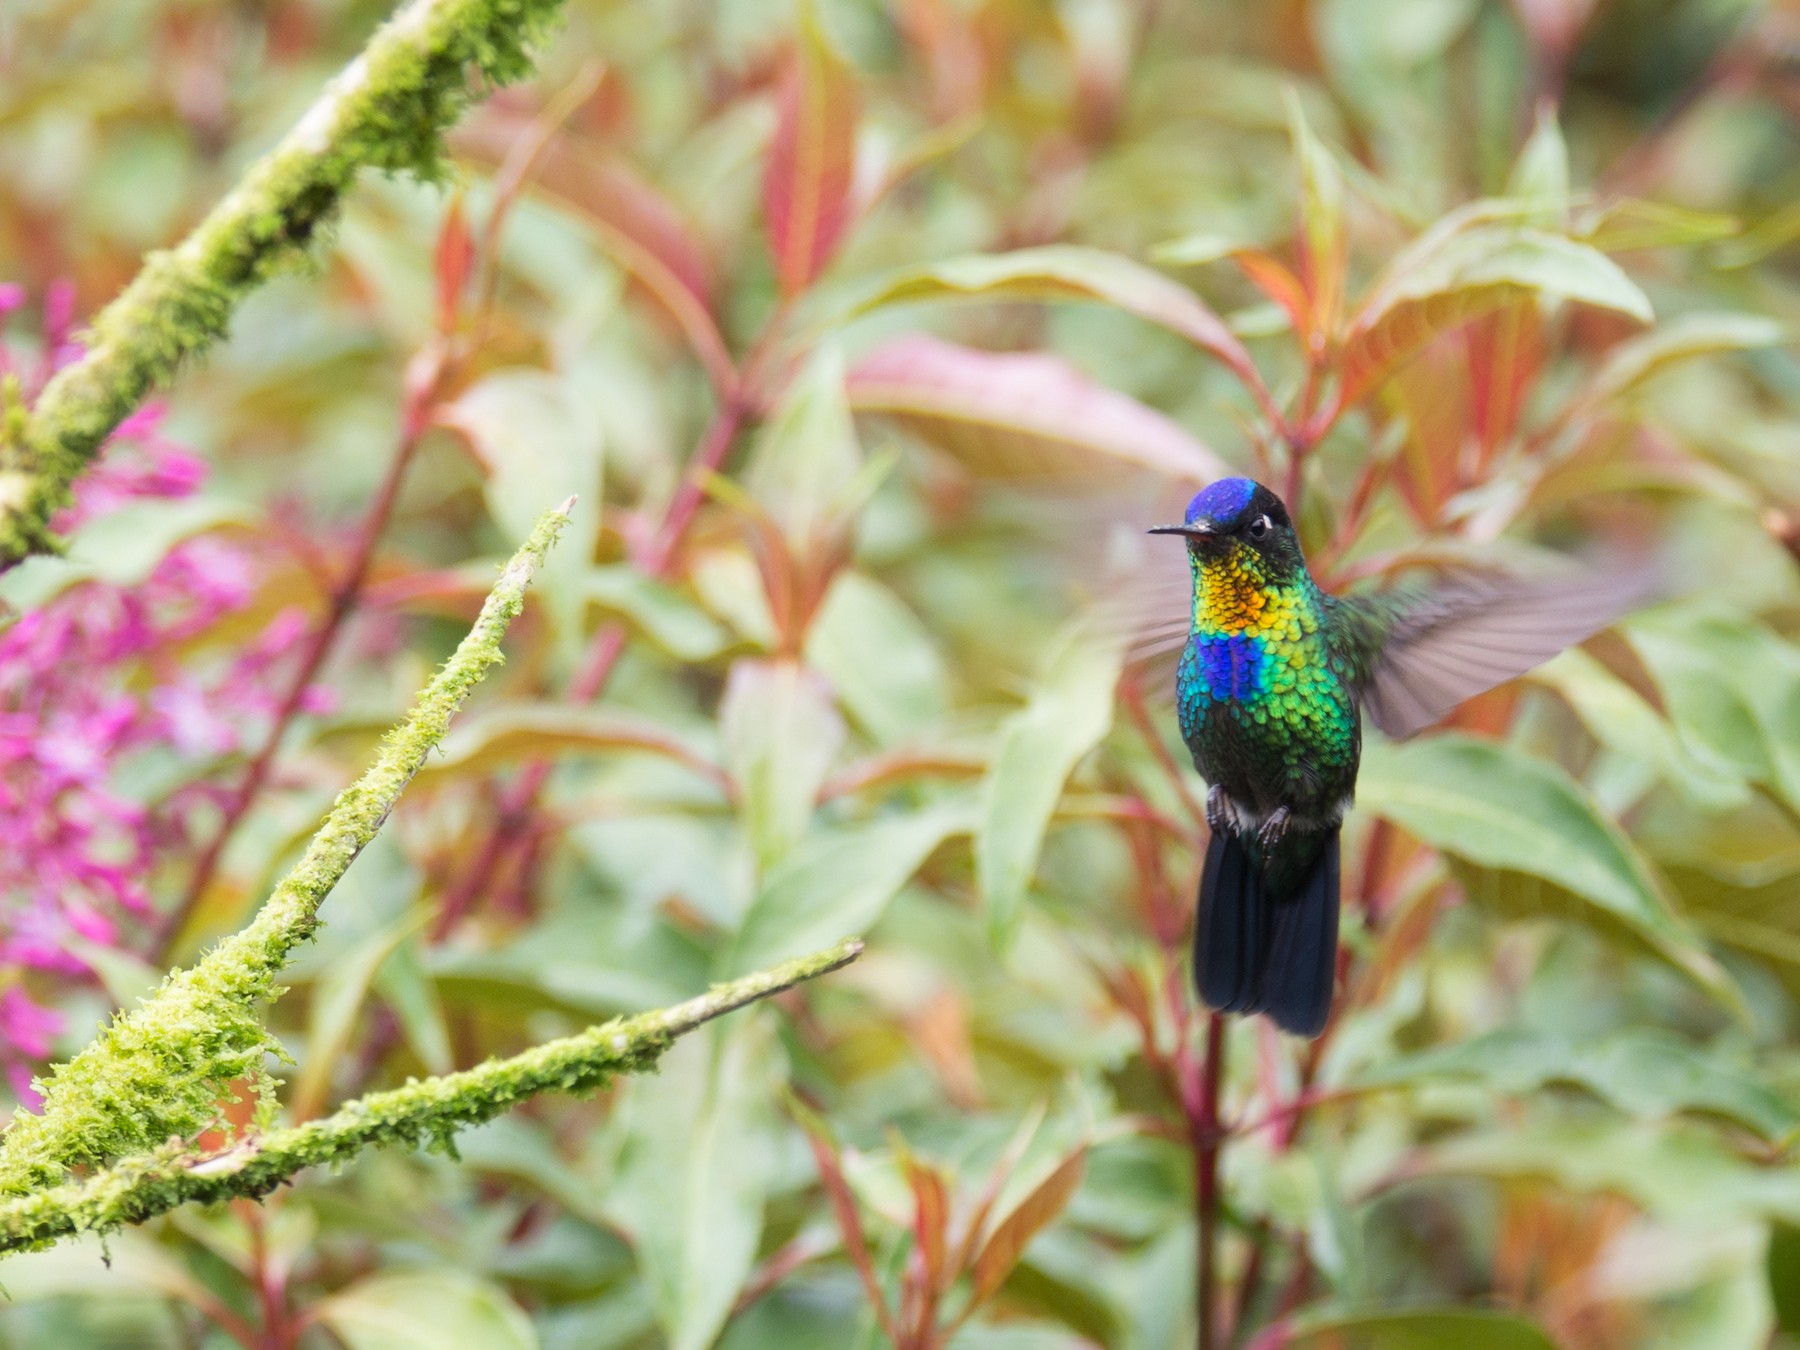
(1272, 685)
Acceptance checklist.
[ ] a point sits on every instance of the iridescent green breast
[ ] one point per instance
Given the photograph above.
(1264, 707)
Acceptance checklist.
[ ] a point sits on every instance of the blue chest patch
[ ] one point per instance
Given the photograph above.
(1229, 665)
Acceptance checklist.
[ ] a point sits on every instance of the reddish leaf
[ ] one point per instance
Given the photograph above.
(806, 186)
(1067, 272)
(843, 1208)
(1021, 414)
(951, 54)
(1505, 352)
(1462, 269)
(455, 256)
(1275, 280)
(1324, 239)
(1431, 394)
(1001, 1252)
(931, 1217)
(644, 232)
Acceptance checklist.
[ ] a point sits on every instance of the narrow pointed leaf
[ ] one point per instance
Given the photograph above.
(840, 881)
(427, 1310)
(808, 178)
(1504, 811)
(1418, 1329)
(1071, 272)
(1040, 745)
(781, 733)
(1027, 416)
(1037, 1211)
(1442, 283)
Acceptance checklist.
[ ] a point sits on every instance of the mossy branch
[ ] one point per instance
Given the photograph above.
(159, 1071)
(423, 1112)
(385, 110)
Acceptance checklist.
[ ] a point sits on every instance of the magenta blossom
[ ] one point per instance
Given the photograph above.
(109, 715)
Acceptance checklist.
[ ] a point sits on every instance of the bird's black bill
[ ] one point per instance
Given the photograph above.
(1191, 531)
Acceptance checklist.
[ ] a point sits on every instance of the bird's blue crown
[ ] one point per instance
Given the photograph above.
(1221, 501)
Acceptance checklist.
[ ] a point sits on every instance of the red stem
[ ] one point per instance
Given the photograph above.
(519, 798)
(1207, 1141)
(423, 384)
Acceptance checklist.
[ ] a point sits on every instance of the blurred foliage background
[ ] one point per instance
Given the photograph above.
(872, 335)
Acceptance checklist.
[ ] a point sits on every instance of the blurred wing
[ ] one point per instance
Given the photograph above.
(1462, 638)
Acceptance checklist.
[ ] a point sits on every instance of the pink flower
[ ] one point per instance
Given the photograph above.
(92, 683)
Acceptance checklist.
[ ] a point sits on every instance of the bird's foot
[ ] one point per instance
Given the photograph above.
(1274, 827)
(1219, 818)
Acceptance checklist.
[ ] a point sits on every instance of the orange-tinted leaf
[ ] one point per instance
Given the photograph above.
(519, 731)
(1324, 239)
(455, 254)
(1001, 1252)
(1453, 275)
(1505, 353)
(643, 231)
(1431, 393)
(1274, 279)
(807, 182)
(843, 1208)
(1021, 415)
(931, 1216)
(951, 54)
(1068, 272)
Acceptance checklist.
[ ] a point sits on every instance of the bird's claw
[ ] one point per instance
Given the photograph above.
(1218, 812)
(1273, 828)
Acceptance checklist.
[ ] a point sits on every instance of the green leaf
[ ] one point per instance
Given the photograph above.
(879, 657)
(1324, 242)
(1069, 711)
(1623, 226)
(1459, 271)
(1715, 722)
(1069, 272)
(1783, 1265)
(1640, 359)
(1643, 1071)
(698, 1150)
(402, 980)
(337, 998)
(1021, 415)
(839, 882)
(806, 462)
(1622, 720)
(122, 547)
(441, 1309)
(1541, 173)
(781, 732)
(518, 731)
(656, 612)
(1503, 810)
(1418, 1329)
(534, 436)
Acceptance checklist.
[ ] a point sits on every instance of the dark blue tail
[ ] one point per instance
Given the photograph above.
(1258, 953)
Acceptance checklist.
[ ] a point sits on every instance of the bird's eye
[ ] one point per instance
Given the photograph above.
(1260, 527)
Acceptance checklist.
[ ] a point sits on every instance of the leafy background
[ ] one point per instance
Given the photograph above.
(872, 335)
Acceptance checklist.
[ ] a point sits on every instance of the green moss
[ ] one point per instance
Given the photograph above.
(386, 110)
(159, 1071)
(427, 1112)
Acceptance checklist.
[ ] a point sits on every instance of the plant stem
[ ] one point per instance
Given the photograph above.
(157, 1071)
(1208, 1139)
(383, 111)
(428, 1112)
(518, 800)
(422, 390)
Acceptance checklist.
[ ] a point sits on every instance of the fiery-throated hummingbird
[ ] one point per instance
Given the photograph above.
(1270, 689)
